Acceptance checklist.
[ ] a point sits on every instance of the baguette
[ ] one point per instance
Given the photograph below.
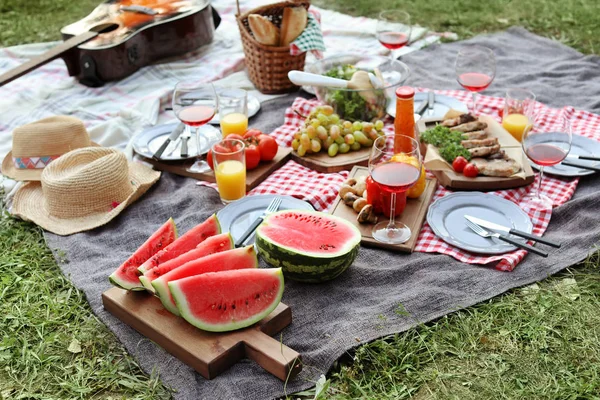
(264, 31)
(293, 23)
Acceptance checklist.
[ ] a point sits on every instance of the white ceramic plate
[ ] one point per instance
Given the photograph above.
(442, 105)
(580, 146)
(237, 216)
(149, 140)
(446, 218)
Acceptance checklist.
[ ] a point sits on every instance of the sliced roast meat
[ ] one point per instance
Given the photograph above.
(484, 151)
(504, 167)
(475, 135)
(471, 144)
(470, 126)
(461, 119)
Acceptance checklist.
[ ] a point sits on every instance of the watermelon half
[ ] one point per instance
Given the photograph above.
(126, 276)
(228, 300)
(214, 244)
(309, 246)
(242, 258)
(185, 243)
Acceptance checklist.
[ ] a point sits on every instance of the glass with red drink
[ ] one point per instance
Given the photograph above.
(395, 173)
(393, 29)
(475, 69)
(546, 144)
(195, 104)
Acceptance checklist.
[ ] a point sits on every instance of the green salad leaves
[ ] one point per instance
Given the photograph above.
(447, 142)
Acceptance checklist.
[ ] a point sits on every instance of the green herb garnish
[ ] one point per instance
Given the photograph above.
(448, 142)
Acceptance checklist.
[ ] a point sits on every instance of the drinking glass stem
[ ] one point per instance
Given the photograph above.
(198, 140)
(474, 94)
(539, 185)
(392, 223)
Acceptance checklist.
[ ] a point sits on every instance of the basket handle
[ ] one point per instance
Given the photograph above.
(237, 2)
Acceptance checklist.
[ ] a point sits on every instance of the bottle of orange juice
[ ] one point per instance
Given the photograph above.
(404, 124)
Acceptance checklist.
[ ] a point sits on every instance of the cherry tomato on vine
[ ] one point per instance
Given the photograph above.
(471, 171)
(268, 147)
(252, 156)
(459, 164)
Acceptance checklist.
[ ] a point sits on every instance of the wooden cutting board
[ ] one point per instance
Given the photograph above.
(253, 177)
(453, 180)
(341, 162)
(208, 353)
(413, 215)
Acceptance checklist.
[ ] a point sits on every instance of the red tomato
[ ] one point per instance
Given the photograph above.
(252, 133)
(235, 136)
(459, 164)
(471, 171)
(267, 147)
(252, 156)
(209, 160)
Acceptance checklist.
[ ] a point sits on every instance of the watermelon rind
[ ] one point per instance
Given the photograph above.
(224, 241)
(186, 242)
(223, 261)
(126, 275)
(181, 299)
(304, 266)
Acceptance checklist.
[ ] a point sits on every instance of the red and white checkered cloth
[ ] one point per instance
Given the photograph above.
(321, 189)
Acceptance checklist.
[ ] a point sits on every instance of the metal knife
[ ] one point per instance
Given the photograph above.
(575, 165)
(430, 103)
(578, 157)
(422, 108)
(173, 136)
(184, 144)
(507, 230)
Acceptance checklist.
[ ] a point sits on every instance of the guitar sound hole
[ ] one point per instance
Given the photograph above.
(104, 28)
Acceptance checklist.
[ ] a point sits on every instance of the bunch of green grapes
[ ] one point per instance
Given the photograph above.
(324, 130)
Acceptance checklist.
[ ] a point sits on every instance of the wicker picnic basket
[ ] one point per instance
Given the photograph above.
(268, 66)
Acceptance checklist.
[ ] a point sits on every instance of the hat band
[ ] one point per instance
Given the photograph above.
(33, 162)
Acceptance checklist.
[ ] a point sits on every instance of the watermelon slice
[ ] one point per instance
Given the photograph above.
(185, 243)
(242, 258)
(310, 246)
(228, 300)
(126, 276)
(213, 244)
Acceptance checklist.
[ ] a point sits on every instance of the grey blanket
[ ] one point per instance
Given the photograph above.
(332, 318)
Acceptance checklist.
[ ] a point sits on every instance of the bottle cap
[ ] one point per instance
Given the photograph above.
(405, 92)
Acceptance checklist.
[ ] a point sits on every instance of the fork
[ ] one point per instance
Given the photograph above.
(273, 206)
(482, 232)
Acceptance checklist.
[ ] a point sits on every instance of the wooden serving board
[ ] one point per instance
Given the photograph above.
(413, 215)
(321, 161)
(453, 180)
(253, 177)
(208, 353)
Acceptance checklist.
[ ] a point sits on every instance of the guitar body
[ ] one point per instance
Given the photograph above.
(140, 32)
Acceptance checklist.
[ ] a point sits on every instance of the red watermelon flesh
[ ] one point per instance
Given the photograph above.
(242, 258)
(127, 275)
(228, 300)
(214, 244)
(185, 243)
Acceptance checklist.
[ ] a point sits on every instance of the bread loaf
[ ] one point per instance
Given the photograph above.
(264, 31)
(293, 23)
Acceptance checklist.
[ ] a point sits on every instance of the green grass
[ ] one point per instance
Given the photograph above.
(539, 342)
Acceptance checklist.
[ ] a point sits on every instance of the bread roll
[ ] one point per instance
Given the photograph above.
(264, 31)
(293, 23)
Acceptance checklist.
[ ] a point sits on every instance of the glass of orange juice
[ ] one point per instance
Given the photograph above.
(230, 169)
(233, 111)
(518, 113)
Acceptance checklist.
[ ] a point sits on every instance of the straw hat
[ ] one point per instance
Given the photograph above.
(37, 144)
(82, 190)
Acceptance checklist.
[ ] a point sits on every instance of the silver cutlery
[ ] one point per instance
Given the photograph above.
(173, 136)
(579, 157)
(430, 103)
(273, 206)
(422, 107)
(575, 165)
(506, 230)
(184, 144)
(486, 234)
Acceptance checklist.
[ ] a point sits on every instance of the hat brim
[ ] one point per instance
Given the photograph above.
(29, 204)
(8, 169)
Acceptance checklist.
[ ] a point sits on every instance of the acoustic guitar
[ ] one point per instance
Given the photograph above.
(121, 36)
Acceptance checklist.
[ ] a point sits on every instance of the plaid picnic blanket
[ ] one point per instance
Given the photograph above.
(320, 189)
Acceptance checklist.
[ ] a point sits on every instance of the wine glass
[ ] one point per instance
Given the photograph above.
(393, 29)
(546, 146)
(195, 104)
(395, 165)
(475, 69)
